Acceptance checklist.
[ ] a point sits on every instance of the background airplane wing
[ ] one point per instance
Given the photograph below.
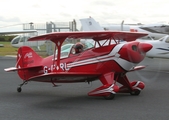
(17, 32)
(156, 28)
(95, 35)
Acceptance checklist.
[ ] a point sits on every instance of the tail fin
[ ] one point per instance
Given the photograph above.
(27, 61)
(26, 57)
(89, 24)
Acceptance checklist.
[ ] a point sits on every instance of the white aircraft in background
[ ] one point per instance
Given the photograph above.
(156, 28)
(160, 47)
(136, 28)
(21, 40)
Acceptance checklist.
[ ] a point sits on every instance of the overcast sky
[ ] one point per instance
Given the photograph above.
(14, 12)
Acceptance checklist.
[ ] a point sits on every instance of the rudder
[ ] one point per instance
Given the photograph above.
(26, 57)
(89, 24)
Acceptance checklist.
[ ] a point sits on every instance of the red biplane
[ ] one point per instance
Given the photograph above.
(108, 62)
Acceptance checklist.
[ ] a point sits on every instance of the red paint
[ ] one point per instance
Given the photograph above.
(108, 63)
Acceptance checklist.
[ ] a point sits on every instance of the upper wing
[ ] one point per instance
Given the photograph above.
(95, 35)
(17, 32)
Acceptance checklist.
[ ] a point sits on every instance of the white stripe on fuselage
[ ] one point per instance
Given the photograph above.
(113, 55)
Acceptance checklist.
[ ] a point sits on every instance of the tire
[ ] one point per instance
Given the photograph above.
(109, 97)
(19, 89)
(135, 92)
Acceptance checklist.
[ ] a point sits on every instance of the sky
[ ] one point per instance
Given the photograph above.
(16, 12)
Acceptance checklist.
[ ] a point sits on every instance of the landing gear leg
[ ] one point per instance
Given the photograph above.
(19, 88)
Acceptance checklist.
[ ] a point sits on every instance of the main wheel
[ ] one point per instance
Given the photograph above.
(135, 92)
(110, 97)
(19, 89)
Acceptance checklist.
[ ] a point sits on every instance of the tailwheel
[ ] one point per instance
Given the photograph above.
(19, 89)
(109, 97)
(135, 92)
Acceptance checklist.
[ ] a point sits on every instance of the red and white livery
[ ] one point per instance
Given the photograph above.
(109, 62)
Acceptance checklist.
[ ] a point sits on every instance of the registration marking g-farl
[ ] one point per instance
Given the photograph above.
(51, 68)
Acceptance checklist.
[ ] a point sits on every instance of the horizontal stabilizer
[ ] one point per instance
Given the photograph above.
(16, 69)
(10, 69)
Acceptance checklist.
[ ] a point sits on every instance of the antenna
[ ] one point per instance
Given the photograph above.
(122, 25)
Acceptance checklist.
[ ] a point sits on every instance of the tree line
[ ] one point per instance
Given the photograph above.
(6, 38)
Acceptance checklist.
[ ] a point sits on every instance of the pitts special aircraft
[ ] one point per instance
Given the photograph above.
(109, 62)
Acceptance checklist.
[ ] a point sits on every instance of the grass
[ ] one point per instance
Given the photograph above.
(7, 49)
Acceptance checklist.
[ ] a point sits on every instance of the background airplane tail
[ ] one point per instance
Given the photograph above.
(89, 24)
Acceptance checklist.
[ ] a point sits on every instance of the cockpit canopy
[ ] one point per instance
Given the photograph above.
(165, 39)
(66, 49)
(19, 38)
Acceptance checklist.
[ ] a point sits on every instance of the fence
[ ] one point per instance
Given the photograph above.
(48, 27)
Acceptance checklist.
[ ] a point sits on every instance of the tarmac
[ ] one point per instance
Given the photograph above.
(40, 101)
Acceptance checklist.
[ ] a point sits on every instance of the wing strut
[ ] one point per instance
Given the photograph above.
(58, 44)
(54, 56)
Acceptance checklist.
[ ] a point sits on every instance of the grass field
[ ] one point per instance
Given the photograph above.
(7, 49)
